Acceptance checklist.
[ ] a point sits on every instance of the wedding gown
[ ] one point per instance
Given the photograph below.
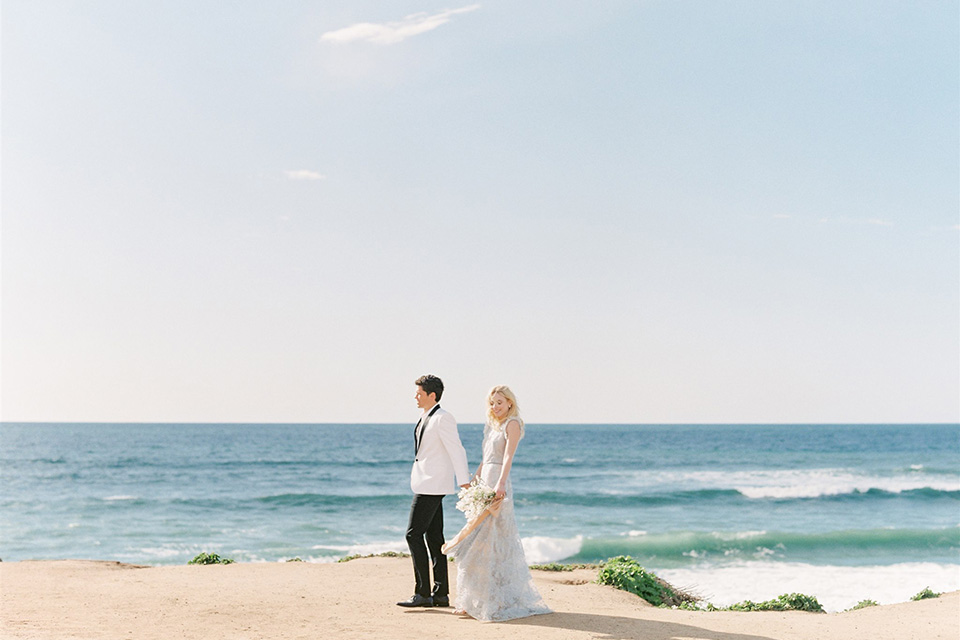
(493, 581)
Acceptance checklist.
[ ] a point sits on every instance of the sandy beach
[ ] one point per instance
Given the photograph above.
(62, 600)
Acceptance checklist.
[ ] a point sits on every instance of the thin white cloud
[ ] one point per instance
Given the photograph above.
(305, 174)
(781, 216)
(393, 32)
(844, 220)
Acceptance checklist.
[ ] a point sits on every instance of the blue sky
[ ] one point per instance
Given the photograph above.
(627, 211)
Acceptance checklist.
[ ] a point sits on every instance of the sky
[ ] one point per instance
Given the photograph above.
(631, 212)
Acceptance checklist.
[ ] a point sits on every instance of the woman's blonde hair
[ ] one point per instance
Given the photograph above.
(514, 411)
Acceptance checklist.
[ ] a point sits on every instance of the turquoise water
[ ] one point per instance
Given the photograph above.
(701, 501)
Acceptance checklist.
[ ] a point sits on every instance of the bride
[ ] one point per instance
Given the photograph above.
(493, 580)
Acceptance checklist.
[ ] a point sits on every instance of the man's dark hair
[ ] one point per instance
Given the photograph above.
(431, 384)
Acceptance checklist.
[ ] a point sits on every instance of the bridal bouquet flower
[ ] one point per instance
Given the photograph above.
(474, 499)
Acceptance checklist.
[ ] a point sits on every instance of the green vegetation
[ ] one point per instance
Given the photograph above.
(295, 560)
(210, 558)
(385, 554)
(623, 572)
(785, 602)
(925, 593)
(556, 566)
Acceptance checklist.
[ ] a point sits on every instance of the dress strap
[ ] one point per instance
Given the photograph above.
(519, 422)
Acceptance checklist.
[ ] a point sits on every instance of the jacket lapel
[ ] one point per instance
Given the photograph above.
(418, 430)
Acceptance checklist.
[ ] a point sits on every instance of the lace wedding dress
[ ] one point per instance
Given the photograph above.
(493, 581)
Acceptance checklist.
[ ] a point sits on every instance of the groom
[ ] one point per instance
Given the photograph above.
(440, 458)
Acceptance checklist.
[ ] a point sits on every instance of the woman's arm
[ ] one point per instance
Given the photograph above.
(477, 474)
(513, 439)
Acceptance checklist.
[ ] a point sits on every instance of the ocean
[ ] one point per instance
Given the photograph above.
(733, 512)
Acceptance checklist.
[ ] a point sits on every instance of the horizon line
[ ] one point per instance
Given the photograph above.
(368, 423)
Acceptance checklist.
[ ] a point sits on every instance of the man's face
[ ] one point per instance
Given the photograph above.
(425, 400)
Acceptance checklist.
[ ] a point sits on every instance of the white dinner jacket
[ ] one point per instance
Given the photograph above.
(441, 458)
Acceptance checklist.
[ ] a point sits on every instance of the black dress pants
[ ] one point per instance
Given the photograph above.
(425, 532)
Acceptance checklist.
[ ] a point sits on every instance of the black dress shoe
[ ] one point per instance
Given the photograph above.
(441, 601)
(416, 600)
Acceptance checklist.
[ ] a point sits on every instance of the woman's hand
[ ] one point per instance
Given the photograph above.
(501, 490)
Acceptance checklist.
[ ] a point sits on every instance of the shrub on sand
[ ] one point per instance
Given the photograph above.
(785, 602)
(556, 566)
(210, 558)
(863, 604)
(385, 554)
(925, 593)
(623, 572)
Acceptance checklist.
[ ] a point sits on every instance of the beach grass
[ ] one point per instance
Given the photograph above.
(556, 566)
(623, 572)
(385, 554)
(785, 602)
(210, 558)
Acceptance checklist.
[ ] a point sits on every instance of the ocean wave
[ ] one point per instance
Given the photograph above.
(174, 551)
(23, 463)
(227, 465)
(328, 500)
(312, 462)
(541, 549)
(853, 493)
(654, 498)
(369, 548)
(680, 547)
(789, 483)
(324, 501)
(867, 488)
(624, 499)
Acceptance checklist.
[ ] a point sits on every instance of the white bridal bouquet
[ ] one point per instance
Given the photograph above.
(472, 500)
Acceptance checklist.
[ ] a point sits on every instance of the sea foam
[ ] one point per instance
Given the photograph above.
(803, 483)
(540, 549)
(836, 587)
(831, 547)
